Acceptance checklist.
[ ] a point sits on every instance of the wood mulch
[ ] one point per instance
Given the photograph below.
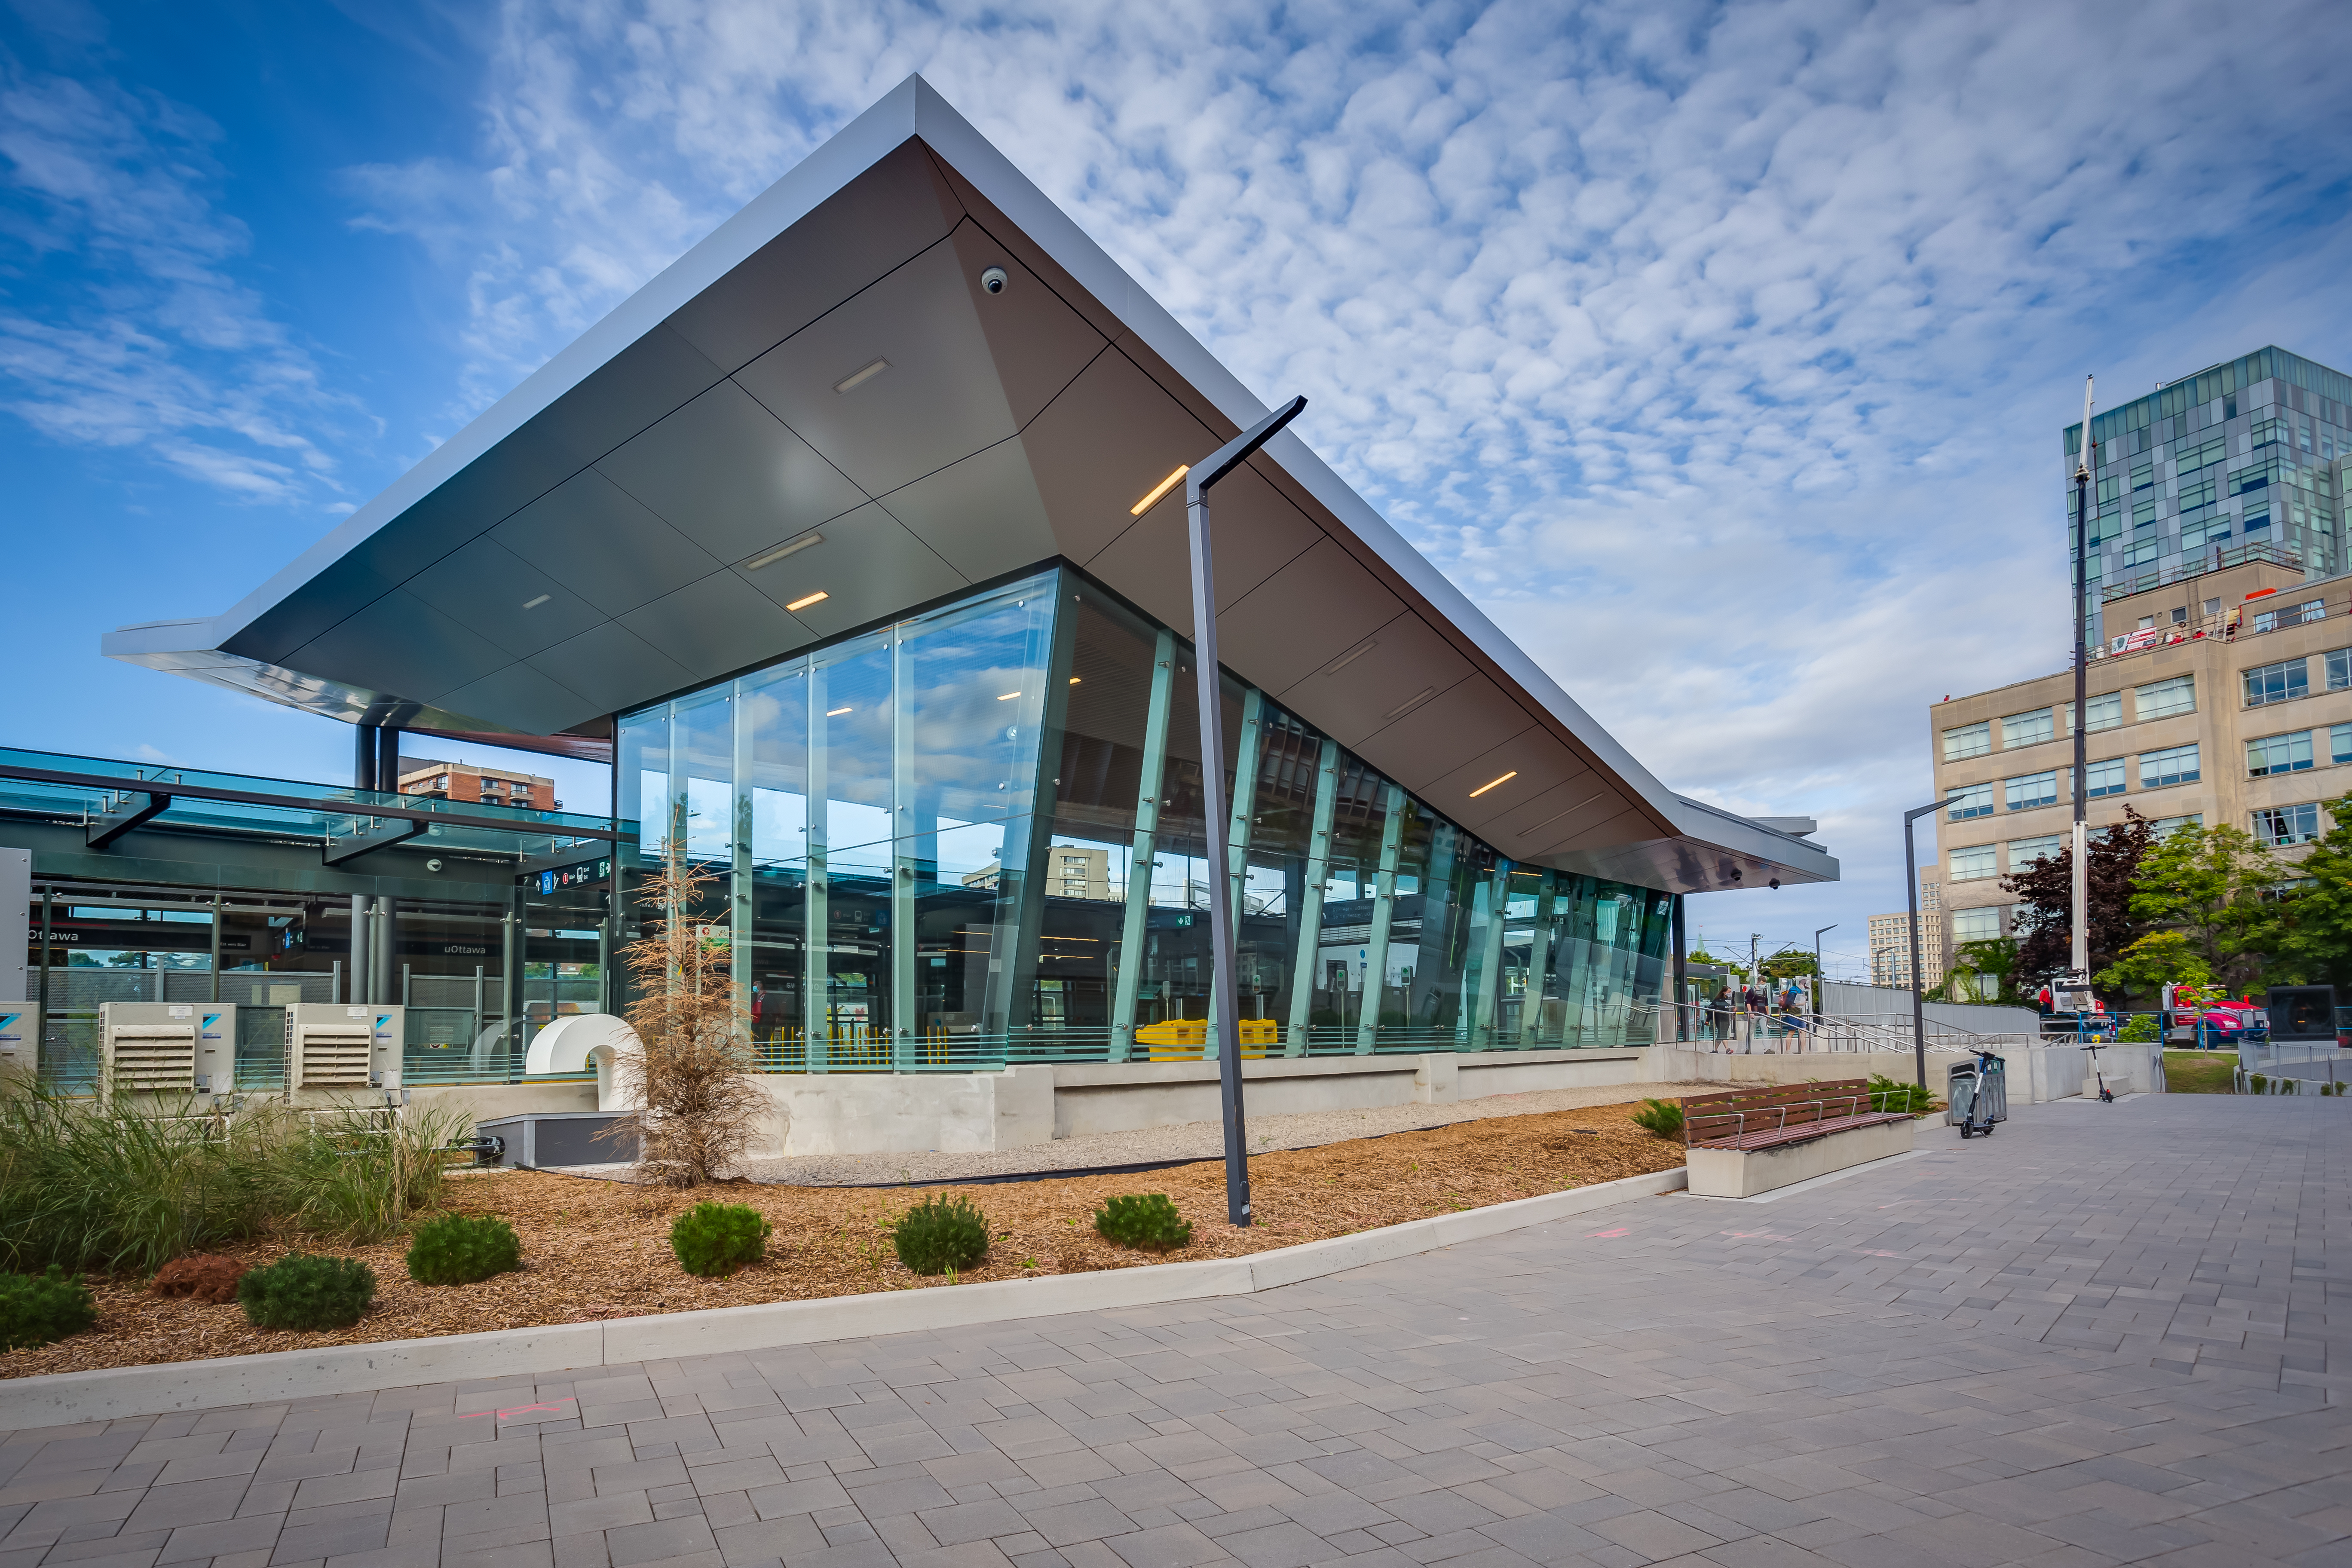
(597, 1249)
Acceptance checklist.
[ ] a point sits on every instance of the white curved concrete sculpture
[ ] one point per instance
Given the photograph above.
(575, 1042)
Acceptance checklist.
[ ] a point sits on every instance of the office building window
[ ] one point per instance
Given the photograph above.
(1982, 924)
(2339, 668)
(2265, 621)
(2279, 753)
(1968, 741)
(2173, 765)
(2280, 825)
(2105, 712)
(2340, 743)
(2103, 778)
(2024, 852)
(2026, 792)
(2310, 610)
(2279, 682)
(1973, 862)
(2162, 699)
(1975, 800)
(2164, 828)
(2025, 729)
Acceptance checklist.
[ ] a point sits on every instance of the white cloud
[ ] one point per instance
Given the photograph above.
(137, 335)
(1719, 349)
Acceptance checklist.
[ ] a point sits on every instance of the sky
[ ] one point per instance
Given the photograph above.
(1720, 352)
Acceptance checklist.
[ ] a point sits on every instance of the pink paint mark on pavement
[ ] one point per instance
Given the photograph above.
(513, 1410)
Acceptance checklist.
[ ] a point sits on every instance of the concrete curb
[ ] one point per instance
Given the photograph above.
(65, 1398)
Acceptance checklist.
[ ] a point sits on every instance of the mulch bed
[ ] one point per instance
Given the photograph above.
(597, 1249)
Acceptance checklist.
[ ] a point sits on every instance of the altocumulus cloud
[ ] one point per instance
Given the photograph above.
(138, 334)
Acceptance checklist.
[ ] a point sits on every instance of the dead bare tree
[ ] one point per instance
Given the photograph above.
(690, 1073)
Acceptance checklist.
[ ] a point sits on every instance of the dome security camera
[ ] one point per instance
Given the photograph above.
(1776, 884)
(994, 279)
(432, 865)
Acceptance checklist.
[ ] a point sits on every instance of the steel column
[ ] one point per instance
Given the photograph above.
(1237, 837)
(1540, 959)
(738, 871)
(1376, 962)
(1489, 1004)
(1135, 931)
(1310, 900)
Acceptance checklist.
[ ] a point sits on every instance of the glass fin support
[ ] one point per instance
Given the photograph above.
(1540, 960)
(1311, 900)
(1376, 962)
(816, 978)
(1134, 931)
(904, 844)
(1495, 896)
(1237, 835)
(739, 925)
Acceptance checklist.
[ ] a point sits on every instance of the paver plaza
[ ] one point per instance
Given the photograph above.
(2109, 1334)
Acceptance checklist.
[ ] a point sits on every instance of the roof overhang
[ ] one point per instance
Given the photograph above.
(613, 530)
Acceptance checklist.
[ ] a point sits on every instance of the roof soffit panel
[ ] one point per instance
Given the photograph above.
(1313, 612)
(729, 475)
(1039, 344)
(1254, 533)
(1468, 718)
(1100, 446)
(521, 698)
(1084, 296)
(715, 627)
(1408, 664)
(893, 211)
(869, 567)
(604, 544)
(339, 590)
(504, 598)
(1535, 755)
(983, 516)
(402, 645)
(936, 399)
(1598, 828)
(1526, 832)
(612, 667)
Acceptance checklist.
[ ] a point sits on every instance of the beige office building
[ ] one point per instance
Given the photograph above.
(1890, 939)
(2220, 696)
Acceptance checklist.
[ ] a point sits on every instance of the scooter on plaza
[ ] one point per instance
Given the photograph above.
(1976, 1095)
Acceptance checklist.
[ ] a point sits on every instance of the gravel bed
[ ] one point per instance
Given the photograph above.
(1187, 1141)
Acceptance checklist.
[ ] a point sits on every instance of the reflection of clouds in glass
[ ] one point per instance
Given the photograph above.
(709, 804)
(779, 826)
(968, 846)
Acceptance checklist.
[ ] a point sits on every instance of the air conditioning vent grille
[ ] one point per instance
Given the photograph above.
(152, 1056)
(334, 1057)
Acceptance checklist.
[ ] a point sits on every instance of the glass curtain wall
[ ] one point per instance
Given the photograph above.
(976, 836)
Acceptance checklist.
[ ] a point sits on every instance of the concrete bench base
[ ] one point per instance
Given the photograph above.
(1744, 1173)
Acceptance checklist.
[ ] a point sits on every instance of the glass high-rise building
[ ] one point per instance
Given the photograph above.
(2243, 461)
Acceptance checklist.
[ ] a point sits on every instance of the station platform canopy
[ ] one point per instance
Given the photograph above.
(899, 374)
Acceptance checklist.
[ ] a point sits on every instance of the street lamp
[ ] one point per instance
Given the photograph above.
(2079, 956)
(1204, 474)
(1817, 949)
(1918, 972)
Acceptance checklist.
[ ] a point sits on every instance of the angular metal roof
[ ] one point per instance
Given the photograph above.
(827, 370)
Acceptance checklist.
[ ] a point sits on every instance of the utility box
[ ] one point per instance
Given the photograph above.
(20, 1039)
(2302, 1013)
(169, 1047)
(336, 1047)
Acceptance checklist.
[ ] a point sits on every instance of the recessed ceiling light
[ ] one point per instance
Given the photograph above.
(534, 603)
(858, 378)
(819, 597)
(835, 713)
(1414, 701)
(781, 551)
(1161, 489)
(1491, 783)
(1074, 680)
(1351, 656)
(1008, 697)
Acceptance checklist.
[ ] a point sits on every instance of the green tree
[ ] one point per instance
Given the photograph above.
(1790, 962)
(2305, 932)
(2157, 960)
(1984, 971)
(2209, 884)
(2045, 926)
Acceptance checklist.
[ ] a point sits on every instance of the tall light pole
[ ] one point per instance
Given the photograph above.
(1204, 474)
(1918, 971)
(2079, 956)
(1817, 950)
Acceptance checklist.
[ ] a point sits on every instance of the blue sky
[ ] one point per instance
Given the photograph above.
(1720, 351)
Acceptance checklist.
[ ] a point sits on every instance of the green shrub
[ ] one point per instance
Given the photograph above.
(1148, 1221)
(40, 1308)
(940, 1234)
(1662, 1117)
(303, 1291)
(2140, 1028)
(2261, 1083)
(348, 1176)
(1910, 1098)
(712, 1239)
(458, 1249)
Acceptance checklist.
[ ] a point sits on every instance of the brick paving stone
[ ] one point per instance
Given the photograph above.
(2111, 1334)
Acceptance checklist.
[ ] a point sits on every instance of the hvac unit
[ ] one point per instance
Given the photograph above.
(335, 1046)
(170, 1048)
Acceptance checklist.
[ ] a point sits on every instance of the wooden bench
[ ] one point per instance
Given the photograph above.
(1751, 1140)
